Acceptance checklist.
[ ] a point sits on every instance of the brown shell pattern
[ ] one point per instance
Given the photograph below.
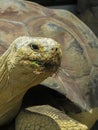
(79, 45)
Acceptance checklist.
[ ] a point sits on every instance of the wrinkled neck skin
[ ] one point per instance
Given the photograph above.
(14, 82)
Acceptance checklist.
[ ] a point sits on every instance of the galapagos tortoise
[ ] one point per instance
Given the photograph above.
(77, 76)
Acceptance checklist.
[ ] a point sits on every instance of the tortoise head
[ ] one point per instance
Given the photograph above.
(26, 63)
(35, 56)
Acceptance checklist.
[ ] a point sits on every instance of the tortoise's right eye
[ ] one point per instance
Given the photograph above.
(34, 47)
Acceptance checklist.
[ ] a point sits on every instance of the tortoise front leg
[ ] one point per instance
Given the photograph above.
(46, 117)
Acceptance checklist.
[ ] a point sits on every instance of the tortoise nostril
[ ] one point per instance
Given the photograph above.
(54, 49)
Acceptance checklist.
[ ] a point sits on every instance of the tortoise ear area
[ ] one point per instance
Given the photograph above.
(67, 88)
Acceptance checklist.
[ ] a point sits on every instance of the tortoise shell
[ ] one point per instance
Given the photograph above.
(78, 74)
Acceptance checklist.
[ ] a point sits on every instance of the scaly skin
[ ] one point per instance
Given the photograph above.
(47, 118)
(26, 63)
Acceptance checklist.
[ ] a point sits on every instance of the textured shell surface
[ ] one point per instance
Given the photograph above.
(79, 44)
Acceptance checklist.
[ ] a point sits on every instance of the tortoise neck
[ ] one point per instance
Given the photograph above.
(9, 104)
(15, 80)
(11, 90)
(4, 69)
(9, 85)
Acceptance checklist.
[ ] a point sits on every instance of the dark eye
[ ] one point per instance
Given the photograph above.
(34, 47)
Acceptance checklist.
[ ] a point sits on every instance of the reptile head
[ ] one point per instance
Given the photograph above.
(35, 55)
(26, 63)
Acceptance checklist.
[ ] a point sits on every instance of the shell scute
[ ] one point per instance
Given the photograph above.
(79, 45)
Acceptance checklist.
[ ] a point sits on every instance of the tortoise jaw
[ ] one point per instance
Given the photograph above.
(48, 65)
(38, 63)
(43, 64)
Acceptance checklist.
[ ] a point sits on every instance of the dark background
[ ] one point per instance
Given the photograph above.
(54, 2)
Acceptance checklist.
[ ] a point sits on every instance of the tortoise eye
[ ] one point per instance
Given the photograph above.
(34, 47)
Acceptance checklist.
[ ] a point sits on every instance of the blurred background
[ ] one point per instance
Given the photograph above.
(86, 10)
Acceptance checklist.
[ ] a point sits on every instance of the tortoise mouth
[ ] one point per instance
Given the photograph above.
(51, 66)
(48, 64)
